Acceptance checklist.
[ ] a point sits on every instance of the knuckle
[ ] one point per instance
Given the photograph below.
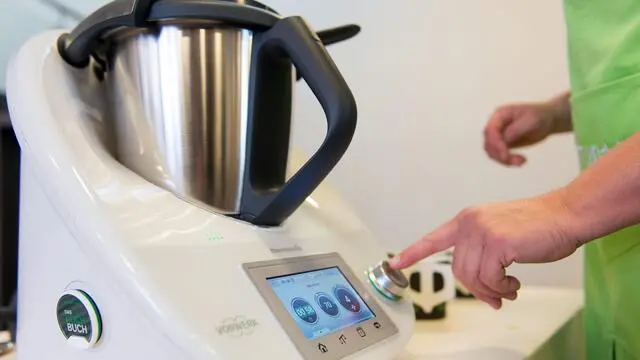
(470, 214)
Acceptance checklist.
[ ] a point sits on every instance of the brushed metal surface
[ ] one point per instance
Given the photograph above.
(390, 282)
(180, 105)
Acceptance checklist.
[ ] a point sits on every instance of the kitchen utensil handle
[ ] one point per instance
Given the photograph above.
(305, 49)
(76, 47)
(335, 35)
(338, 34)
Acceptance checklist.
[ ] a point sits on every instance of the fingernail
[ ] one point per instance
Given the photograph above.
(394, 262)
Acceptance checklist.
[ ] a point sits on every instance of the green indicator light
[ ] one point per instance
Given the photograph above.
(215, 237)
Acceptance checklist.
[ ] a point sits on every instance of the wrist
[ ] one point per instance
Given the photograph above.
(569, 224)
(586, 217)
(604, 198)
(560, 109)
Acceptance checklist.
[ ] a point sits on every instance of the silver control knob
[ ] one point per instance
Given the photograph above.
(391, 283)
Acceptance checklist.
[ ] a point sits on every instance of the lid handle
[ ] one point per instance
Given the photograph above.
(335, 35)
(76, 47)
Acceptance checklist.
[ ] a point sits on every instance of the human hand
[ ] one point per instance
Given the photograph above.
(519, 125)
(487, 239)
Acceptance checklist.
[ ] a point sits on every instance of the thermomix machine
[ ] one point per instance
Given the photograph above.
(163, 214)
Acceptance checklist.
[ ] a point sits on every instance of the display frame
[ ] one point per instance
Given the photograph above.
(336, 345)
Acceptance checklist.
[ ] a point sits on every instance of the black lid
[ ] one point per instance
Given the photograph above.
(247, 13)
(76, 47)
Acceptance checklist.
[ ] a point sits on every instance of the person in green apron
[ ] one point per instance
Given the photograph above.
(599, 210)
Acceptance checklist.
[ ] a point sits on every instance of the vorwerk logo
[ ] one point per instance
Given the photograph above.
(294, 247)
(238, 326)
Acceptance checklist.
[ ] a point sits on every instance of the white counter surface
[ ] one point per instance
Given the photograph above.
(543, 324)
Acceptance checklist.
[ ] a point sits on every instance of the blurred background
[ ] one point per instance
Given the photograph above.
(426, 75)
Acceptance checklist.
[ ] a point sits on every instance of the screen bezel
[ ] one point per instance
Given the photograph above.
(349, 285)
(260, 272)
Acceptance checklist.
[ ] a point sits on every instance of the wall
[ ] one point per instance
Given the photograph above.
(426, 75)
(22, 19)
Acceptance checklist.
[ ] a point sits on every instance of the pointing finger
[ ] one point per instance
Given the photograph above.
(440, 239)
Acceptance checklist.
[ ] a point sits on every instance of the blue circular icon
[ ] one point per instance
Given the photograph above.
(304, 310)
(327, 304)
(347, 299)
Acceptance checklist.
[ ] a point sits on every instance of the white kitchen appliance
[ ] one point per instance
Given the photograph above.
(163, 215)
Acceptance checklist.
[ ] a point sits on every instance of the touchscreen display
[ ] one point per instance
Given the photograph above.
(320, 301)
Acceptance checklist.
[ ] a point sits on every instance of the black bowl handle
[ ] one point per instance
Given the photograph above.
(293, 36)
(335, 35)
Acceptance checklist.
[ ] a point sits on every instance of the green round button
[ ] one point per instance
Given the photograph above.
(79, 319)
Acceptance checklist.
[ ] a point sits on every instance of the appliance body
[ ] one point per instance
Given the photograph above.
(160, 278)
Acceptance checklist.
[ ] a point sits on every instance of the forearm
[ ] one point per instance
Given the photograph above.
(561, 105)
(606, 196)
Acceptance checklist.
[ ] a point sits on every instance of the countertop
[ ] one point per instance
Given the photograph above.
(543, 324)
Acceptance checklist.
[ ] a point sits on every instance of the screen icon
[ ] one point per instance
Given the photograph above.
(322, 348)
(343, 339)
(304, 310)
(361, 332)
(347, 299)
(377, 325)
(327, 304)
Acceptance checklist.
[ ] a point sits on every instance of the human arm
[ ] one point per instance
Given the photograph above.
(487, 239)
(519, 125)
(605, 197)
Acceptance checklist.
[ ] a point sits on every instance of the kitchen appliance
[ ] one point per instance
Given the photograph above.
(163, 214)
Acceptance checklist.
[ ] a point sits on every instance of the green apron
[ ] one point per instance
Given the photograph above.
(604, 58)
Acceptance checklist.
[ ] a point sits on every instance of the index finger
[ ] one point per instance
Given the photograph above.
(439, 240)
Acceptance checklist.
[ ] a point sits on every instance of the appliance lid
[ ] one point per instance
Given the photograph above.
(76, 47)
(245, 13)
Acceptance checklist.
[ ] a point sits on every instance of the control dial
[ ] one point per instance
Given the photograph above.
(391, 283)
